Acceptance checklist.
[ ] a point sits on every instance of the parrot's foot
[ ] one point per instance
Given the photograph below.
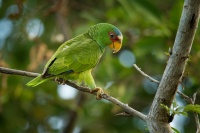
(99, 92)
(60, 81)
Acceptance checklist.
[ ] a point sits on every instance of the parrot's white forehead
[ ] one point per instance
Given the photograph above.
(120, 37)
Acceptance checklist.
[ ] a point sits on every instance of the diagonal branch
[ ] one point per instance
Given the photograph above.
(156, 81)
(144, 74)
(187, 98)
(107, 97)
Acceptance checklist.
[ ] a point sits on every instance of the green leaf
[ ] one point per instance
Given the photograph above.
(175, 109)
(192, 108)
(175, 130)
(164, 106)
(179, 109)
(174, 104)
(183, 113)
(167, 53)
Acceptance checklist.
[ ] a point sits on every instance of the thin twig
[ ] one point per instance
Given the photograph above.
(144, 74)
(126, 108)
(17, 72)
(187, 98)
(156, 81)
(123, 114)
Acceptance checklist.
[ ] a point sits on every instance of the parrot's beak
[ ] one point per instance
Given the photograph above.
(116, 45)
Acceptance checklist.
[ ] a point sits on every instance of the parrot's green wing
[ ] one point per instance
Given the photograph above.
(78, 55)
(64, 46)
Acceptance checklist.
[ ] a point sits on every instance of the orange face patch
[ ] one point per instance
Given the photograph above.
(115, 46)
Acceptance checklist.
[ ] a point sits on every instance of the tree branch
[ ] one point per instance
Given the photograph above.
(158, 116)
(17, 72)
(187, 98)
(107, 97)
(156, 81)
(144, 74)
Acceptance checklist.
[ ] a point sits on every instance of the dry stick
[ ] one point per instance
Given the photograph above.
(144, 74)
(187, 99)
(156, 81)
(128, 109)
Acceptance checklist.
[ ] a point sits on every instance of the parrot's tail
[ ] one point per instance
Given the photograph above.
(36, 81)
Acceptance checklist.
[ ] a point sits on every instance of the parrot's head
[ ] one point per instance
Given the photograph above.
(116, 39)
(107, 35)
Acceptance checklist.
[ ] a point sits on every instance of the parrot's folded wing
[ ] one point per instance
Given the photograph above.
(80, 56)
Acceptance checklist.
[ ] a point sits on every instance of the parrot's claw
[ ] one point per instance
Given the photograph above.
(60, 81)
(99, 91)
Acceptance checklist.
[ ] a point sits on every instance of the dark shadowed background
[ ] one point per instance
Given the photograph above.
(31, 31)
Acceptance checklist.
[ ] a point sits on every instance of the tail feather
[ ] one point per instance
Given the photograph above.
(36, 81)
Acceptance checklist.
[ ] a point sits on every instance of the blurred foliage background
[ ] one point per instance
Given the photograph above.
(30, 32)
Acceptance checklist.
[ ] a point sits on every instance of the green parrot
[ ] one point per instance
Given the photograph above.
(75, 58)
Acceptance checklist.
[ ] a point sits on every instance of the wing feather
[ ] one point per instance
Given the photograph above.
(77, 55)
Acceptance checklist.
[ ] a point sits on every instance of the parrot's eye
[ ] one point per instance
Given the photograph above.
(112, 35)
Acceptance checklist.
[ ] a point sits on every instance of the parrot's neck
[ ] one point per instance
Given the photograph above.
(97, 40)
(102, 48)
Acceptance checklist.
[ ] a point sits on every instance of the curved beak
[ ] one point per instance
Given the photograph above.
(116, 45)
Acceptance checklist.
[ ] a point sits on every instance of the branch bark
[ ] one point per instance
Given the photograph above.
(158, 116)
(17, 72)
(107, 97)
